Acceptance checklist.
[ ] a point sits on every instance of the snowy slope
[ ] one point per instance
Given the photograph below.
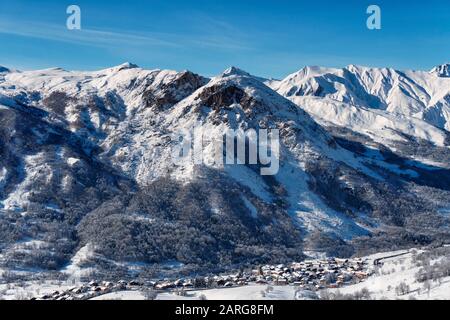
(397, 270)
(418, 94)
(304, 144)
(381, 125)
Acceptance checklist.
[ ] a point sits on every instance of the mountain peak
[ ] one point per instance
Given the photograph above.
(234, 71)
(125, 66)
(129, 65)
(442, 70)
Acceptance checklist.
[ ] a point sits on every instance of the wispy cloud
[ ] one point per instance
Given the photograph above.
(112, 38)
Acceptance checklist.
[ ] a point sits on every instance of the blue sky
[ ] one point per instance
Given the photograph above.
(267, 38)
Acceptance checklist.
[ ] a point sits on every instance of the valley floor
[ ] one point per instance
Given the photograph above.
(394, 275)
(382, 284)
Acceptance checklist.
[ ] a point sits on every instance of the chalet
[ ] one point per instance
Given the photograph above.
(281, 282)
(164, 286)
(261, 281)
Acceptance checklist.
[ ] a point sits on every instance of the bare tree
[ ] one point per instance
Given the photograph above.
(402, 289)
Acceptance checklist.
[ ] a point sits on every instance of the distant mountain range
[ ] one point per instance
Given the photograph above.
(85, 162)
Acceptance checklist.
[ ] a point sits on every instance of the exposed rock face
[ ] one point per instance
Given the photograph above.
(168, 94)
(218, 97)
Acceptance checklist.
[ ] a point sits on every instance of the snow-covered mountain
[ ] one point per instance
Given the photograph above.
(86, 162)
(416, 94)
(442, 70)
